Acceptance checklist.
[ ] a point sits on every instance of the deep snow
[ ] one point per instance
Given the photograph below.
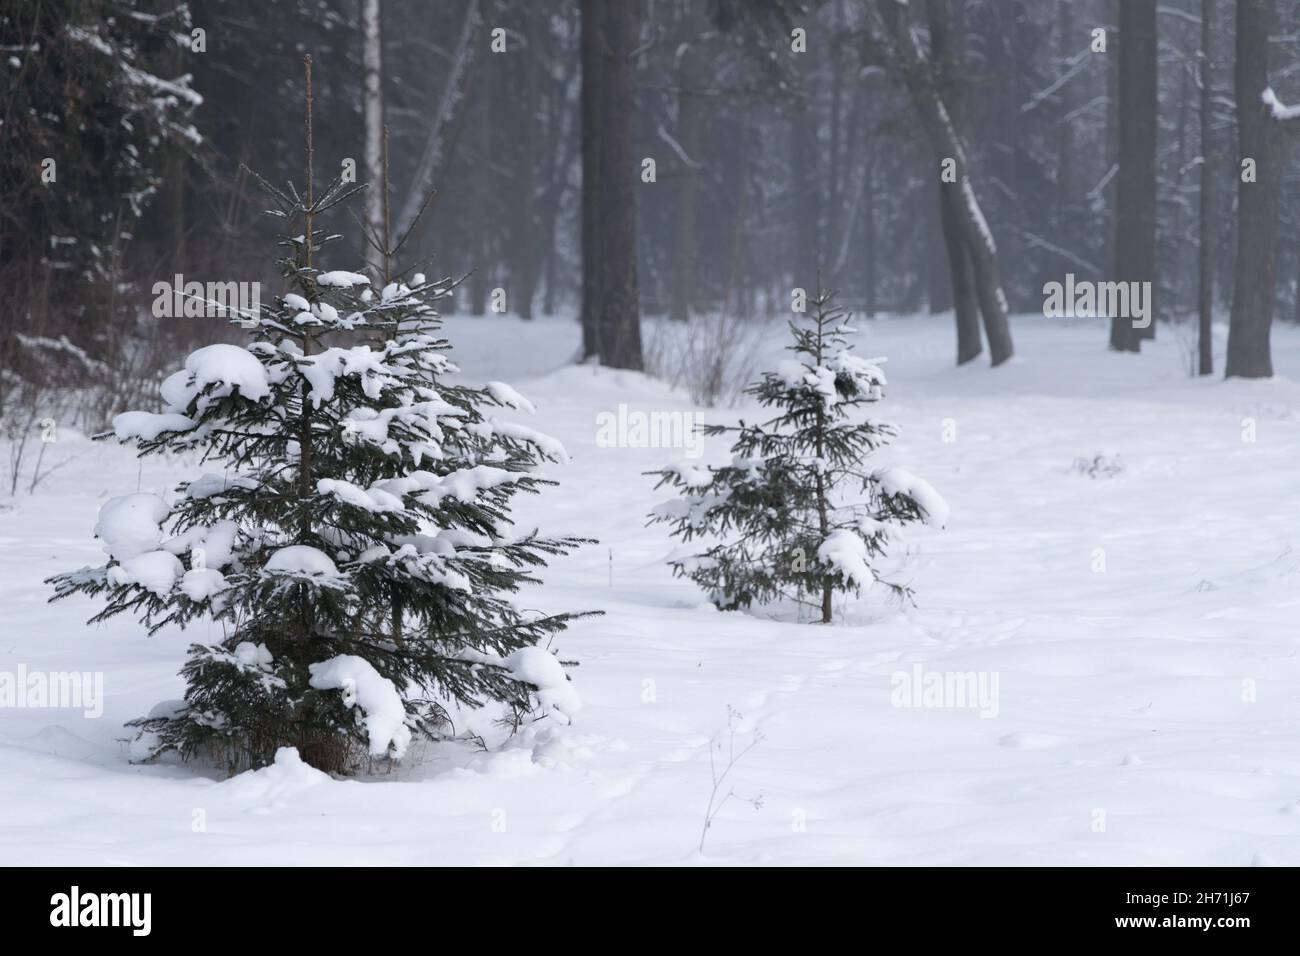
(1145, 713)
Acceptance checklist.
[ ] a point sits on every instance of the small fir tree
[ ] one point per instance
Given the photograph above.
(354, 542)
(798, 514)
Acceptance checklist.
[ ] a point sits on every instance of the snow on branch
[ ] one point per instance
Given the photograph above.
(1279, 110)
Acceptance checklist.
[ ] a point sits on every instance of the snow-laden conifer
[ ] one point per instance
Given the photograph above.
(349, 532)
(799, 514)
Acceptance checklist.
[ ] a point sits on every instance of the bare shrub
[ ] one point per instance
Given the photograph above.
(712, 356)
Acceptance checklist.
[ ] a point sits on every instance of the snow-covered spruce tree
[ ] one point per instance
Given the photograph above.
(353, 541)
(797, 514)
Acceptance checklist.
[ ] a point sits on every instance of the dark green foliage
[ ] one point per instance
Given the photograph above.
(335, 436)
(797, 514)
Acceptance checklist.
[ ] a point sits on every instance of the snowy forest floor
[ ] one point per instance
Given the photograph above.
(1146, 714)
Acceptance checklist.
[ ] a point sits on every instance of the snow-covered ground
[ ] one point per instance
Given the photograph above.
(1146, 709)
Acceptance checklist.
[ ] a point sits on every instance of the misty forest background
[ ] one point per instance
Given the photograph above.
(790, 139)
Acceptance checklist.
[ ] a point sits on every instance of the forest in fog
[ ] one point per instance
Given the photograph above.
(750, 148)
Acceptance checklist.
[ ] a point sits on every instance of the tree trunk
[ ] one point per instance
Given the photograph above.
(1176, 272)
(1205, 292)
(870, 271)
(1065, 41)
(564, 148)
(692, 75)
(481, 199)
(372, 107)
(975, 232)
(1258, 138)
(835, 200)
(935, 266)
(945, 38)
(1135, 220)
(966, 307)
(619, 308)
(176, 195)
(592, 41)
(1295, 302)
(525, 266)
(805, 177)
(1112, 132)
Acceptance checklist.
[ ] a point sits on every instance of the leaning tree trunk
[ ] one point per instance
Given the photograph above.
(1135, 220)
(619, 317)
(1257, 201)
(975, 232)
(945, 32)
(1205, 293)
(445, 125)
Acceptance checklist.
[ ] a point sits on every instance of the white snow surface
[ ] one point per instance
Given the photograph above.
(1160, 690)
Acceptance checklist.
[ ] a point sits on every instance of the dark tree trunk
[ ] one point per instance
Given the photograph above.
(548, 301)
(619, 319)
(1112, 132)
(525, 266)
(740, 291)
(1175, 272)
(1065, 42)
(592, 67)
(176, 166)
(692, 76)
(870, 271)
(1258, 138)
(372, 108)
(804, 178)
(1205, 292)
(938, 276)
(564, 147)
(945, 43)
(835, 200)
(1135, 221)
(966, 306)
(1295, 302)
(481, 278)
